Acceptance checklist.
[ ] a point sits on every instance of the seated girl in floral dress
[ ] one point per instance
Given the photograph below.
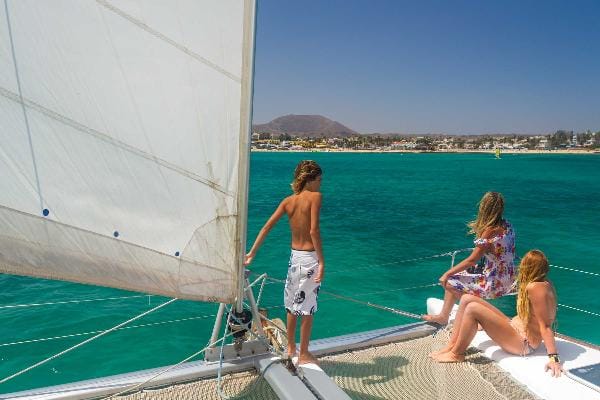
(495, 240)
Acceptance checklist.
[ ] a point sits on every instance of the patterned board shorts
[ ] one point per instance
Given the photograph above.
(301, 290)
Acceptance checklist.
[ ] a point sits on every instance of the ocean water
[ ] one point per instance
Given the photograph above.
(379, 210)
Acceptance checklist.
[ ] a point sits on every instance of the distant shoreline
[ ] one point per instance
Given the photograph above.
(457, 151)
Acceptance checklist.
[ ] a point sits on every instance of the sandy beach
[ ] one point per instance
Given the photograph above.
(458, 151)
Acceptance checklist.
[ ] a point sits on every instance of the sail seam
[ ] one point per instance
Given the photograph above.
(28, 215)
(168, 40)
(110, 140)
(20, 96)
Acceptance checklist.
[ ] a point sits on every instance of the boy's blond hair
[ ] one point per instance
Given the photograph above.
(306, 171)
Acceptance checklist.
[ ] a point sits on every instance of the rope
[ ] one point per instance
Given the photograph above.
(377, 306)
(92, 332)
(72, 301)
(137, 386)
(446, 254)
(575, 270)
(579, 309)
(246, 326)
(248, 388)
(398, 289)
(366, 303)
(221, 340)
(86, 341)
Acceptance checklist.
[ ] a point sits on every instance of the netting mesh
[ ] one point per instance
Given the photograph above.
(243, 385)
(394, 371)
(404, 371)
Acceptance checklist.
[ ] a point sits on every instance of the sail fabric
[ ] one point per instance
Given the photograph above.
(123, 132)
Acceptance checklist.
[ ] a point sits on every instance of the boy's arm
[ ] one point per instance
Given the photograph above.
(315, 234)
(265, 231)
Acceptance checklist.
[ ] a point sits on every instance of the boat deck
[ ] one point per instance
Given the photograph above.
(399, 370)
(529, 370)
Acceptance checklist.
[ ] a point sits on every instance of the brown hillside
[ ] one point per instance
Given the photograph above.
(305, 125)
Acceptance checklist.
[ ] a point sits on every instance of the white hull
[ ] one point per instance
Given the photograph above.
(190, 371)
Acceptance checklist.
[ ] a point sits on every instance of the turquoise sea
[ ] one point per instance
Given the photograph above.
(378, 211)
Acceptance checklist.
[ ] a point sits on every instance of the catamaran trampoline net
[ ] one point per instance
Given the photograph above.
(394, 371)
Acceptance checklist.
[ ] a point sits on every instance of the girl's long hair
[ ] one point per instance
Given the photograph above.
(533, 268)
(491, 208)
(306, 171)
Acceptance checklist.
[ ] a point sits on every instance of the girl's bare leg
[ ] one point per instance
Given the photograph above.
(305, 328)
(496, 325)
(465, 300)
(450, 297)
(291, 333)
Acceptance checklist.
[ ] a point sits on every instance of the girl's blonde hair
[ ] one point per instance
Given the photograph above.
(306, 171)
(491, 207)
(533, 268)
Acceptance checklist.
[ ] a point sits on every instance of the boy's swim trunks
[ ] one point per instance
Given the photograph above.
(301, 290)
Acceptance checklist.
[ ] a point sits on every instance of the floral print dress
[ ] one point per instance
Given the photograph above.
(497, 277)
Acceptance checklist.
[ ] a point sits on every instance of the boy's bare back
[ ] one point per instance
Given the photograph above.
(300, 209)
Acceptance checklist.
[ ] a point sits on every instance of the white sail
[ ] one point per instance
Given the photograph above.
(124, 129)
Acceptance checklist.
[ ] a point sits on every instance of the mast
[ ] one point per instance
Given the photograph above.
(249, 30)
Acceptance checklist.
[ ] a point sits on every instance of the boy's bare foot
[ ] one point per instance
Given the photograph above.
(438, 319)
(449, 357)
(307, 358)
(291, 351)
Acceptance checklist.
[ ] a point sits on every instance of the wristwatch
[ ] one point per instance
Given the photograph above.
(554, 357)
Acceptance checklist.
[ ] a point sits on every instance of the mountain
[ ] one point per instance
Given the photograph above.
(305, 125)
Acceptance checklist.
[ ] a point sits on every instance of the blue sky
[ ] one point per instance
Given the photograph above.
(455, 67)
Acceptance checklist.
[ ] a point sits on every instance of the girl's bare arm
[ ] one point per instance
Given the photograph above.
(538, 296)
(472, 259)
(279, 212)
(315, 234)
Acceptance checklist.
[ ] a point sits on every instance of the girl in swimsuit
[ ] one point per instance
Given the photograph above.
(495, 241)
(536, 313)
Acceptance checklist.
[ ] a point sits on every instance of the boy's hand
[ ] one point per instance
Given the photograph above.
(319, 276)
(248, 259)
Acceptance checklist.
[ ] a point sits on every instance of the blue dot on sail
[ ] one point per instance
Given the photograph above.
(45, 212)
(176, 254)
(116, 234)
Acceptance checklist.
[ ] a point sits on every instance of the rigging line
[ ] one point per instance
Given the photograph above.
(446, 254)
(168, 40)
(369, 293)
(111, 140)
(374, 305)
(396, 290)
(25, 117)
(579, 309)
(123, 328)
(575, 270)
(250, 387)
(73, 301)
(138, 385)
(366, 303)
(86, 341)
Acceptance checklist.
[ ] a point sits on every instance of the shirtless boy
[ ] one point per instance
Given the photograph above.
(306, 265)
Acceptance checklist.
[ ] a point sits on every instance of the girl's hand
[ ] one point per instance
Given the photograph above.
(554, 367)
(248, 259)
(444, 280)
(319, 276)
